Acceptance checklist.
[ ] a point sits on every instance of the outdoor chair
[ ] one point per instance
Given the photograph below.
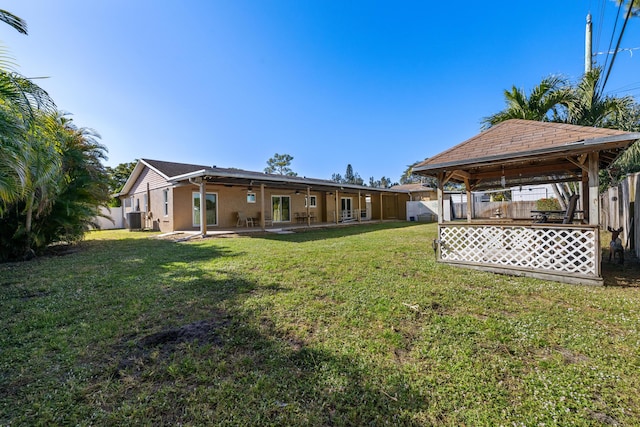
(243, 220)
(268, 222)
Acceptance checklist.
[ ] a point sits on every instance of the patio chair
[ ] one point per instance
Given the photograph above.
(243, 220)
(268, 222)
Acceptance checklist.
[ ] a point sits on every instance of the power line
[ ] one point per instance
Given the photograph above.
(600, 26)
(613, 33)
(615, 52)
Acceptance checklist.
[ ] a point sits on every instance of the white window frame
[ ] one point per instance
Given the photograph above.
(314, 201)
(193, 206)
(251, 197)
(165, 201)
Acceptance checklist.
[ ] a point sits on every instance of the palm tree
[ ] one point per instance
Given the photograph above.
(544, 103)
(589, 107)
(17, 23)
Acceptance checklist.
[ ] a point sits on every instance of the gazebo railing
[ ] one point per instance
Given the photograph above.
(568, 253)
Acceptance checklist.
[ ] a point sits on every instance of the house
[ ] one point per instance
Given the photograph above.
(166, 196)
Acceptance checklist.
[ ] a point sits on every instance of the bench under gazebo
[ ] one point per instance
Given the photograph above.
(522, 152)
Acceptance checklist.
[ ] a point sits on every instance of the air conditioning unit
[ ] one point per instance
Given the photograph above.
(134, 220)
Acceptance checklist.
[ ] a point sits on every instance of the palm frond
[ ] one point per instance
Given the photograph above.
(19, 24)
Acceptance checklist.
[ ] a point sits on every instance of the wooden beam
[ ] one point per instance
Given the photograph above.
(440, 193)
(469, 199)
(525, 171)
(594, 183)
(578, 164)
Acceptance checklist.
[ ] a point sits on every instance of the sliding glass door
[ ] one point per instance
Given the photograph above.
(280, 208)
(212, 209)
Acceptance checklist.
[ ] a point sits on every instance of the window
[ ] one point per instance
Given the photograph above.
(165, 202)
(211, 206)
(313, 202)
(251, 197)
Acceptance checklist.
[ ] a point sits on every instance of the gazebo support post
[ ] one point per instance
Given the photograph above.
(469, 200)
(594, 183)
(440, 198)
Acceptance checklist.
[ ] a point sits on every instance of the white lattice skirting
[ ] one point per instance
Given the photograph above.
(565, 250)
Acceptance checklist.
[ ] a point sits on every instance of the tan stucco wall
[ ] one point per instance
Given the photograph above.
(231, 200)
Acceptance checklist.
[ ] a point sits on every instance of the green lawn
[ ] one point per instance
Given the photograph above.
(348, 326)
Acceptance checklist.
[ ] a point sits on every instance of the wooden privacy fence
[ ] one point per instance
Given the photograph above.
(495, 209)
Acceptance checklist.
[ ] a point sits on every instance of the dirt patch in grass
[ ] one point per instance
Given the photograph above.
(160, 345)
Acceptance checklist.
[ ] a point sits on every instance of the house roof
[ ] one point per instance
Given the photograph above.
(169, 169)
(413, 187)
(527, 152)
(179, 172)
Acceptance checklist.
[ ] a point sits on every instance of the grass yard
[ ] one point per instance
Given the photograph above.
(347, 326)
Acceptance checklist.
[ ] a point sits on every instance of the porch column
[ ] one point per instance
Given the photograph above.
(584, 196)
(309, 206)
(469, 199)
(262, 206)
(337, 198)
(359, 207)
(440, 199)
(203, 207)
(594, 183)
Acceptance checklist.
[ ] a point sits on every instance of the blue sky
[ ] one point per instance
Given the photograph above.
(377, 84)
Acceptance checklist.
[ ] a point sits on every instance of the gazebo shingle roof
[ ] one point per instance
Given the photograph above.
(518, 152)
(518, 136)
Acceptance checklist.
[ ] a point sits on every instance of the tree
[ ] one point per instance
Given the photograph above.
(118, 177)
(408, 177)
(350, 177)
(383, 182)
(17, 23)
(587, 106)
(580, 104)
(634, 5)
(544, 103)
(279, 164)
(52, 181)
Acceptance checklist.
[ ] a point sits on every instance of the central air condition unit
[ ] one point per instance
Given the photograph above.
(134, 220)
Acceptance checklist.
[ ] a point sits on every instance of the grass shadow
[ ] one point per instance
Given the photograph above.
(300, 235)
(621, 275)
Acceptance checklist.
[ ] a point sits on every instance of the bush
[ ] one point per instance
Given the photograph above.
(550, 204)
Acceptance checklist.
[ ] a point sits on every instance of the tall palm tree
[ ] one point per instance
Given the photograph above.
(16, 22)
(544, 103)
(589, 107)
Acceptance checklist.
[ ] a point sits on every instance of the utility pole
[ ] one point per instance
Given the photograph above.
(588, 55)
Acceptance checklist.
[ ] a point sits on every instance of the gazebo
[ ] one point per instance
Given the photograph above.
(522, 152)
